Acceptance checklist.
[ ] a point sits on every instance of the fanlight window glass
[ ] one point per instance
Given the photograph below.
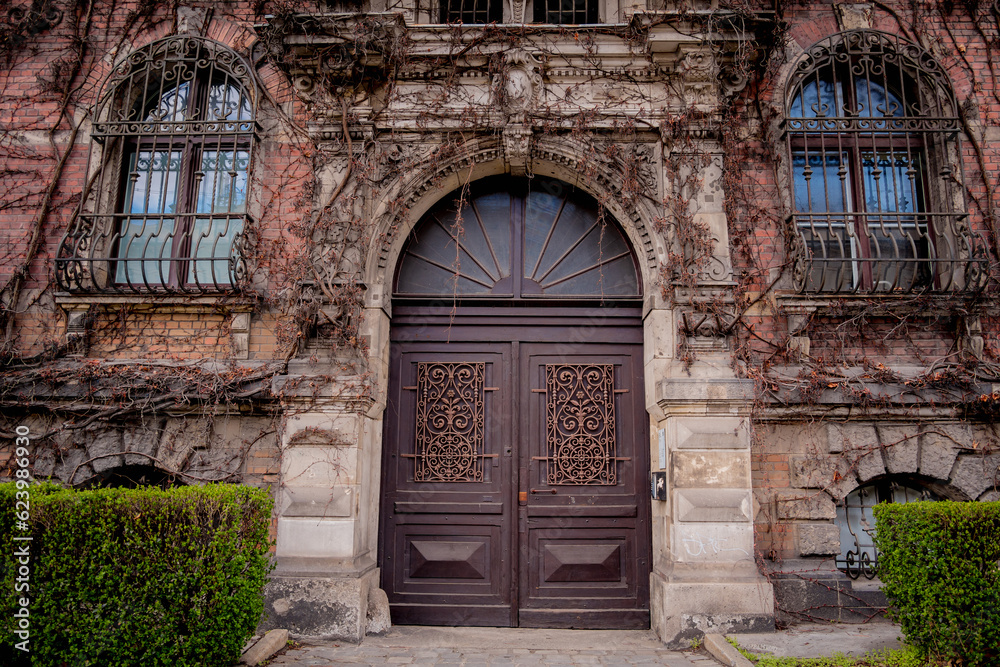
(176, 129)
(856, 521)
(873, 146)
(502, 238)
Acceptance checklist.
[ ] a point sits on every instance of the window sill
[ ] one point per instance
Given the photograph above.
(234, 302)
(937, 303)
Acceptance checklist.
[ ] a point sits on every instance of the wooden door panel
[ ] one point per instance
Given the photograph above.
(593, 565)
(446, 511)
(584, 554)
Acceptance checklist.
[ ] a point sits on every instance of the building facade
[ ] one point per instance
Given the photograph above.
(548, 315)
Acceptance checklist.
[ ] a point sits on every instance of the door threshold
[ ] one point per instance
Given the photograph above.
(432, 636)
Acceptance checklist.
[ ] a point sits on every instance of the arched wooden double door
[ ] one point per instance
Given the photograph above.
(516, 453)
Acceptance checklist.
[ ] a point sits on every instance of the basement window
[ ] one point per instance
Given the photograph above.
(858, 556)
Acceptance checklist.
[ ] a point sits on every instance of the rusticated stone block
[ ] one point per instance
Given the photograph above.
(902, 448)
(710, 433)
(179, 440)
(143, 440)
(103, 447)
(713, 505)
(805, 504)
(939, 448)
(819, 539)
(975, 473)
(711, 469)
(72, 469)
(833, 474)
(841, 437)
(869, 465)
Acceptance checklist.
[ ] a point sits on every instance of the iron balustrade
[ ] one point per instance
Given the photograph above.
(905, 254)
(129, 253)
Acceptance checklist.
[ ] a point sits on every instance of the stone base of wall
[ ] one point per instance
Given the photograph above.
(681, 611)
(809, 593)
(317, 607)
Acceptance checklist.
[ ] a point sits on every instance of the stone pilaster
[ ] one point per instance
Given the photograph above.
(705, 578)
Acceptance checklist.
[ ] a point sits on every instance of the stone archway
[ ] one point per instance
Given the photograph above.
(514, 456)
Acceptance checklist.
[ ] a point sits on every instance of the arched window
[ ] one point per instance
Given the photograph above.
(873, 144)
(857, 521)
(518, 239)
(174, 130)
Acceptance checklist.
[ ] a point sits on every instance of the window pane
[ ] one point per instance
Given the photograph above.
(874, 101)
(891, 182)
(145, 242)
(152, 182)
(212, 240)
(223, 182)
(818, 99)
(471, 11)
(227, 101)
(566, 11)
(151, 189)
(171, 105)
(822, 183)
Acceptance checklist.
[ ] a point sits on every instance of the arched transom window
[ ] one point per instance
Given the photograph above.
(518, 239)
(873, 145)
(175, 130)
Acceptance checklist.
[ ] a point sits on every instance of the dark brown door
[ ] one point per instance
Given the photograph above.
(514, 470)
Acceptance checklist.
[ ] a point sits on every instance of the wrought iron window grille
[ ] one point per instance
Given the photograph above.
(858, 555)
(874, 151)
(174, 136)
(561, 12)
(472, 11)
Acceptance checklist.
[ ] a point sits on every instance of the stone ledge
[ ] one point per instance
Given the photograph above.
(272, 642)
(725, 652)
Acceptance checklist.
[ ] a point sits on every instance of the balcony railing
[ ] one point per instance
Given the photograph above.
(886, 253)
(194, 253)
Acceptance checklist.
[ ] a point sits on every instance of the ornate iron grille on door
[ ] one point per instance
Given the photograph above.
(580, 424)
(450, 422)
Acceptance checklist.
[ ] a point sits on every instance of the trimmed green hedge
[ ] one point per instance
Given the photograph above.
(938, 563)
(139, 577)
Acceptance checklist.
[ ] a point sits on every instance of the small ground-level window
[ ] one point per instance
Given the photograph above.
(132, 477)
(857, 522)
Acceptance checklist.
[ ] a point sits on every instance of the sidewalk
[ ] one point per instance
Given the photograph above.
(412, 645)
(416, 645)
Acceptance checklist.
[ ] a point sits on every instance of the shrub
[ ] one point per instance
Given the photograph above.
(140, 577)
(938, 564)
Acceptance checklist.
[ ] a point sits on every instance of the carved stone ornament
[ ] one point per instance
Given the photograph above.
(698, 67)
(518, 9)
(704, 331)
(517, 147)
(519, 86)
(699, 73)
